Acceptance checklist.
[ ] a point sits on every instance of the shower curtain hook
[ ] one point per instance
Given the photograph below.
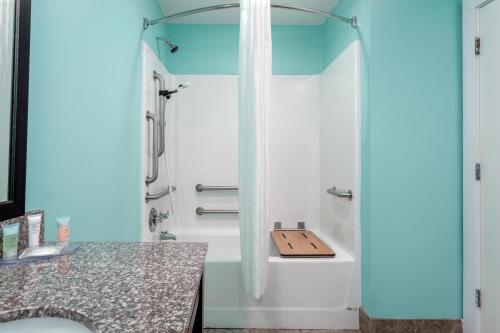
(354, 22)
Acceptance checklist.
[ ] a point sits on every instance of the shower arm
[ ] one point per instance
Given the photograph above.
(353, 21)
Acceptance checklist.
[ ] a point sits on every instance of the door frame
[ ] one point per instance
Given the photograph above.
(471, 187)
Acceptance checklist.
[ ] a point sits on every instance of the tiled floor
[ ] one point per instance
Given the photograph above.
(277, 331)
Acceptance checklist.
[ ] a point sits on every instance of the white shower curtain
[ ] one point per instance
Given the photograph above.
(255, 72)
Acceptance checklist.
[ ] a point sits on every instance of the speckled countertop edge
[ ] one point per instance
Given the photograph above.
(109, 287)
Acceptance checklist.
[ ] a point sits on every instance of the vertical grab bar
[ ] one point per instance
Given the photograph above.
(154, 176)
(161, 147)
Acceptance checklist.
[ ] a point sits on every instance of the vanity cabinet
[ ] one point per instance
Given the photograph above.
(196, 322)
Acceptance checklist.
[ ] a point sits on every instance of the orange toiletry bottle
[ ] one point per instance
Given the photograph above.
(63, 230)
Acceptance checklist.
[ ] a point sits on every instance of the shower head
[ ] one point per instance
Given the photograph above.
(172, 46)
(168, 93)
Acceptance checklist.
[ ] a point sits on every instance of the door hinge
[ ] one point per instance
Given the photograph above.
(478, 171)
(477, 298)
(477, 46)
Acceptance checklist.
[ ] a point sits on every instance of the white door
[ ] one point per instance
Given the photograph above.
(489, 152)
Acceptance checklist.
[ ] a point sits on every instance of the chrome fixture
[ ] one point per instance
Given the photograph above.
(341, 194)
(161, 194)
(353, 21)
(162, 217)
(161, 147)
(154, 176)
(201, 188)
(155, 218)
(173, 48)
(168, 93)
(279, 226)
(165, 235)
(153, 215)
(201, 211)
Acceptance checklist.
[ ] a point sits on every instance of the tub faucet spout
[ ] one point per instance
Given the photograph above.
(165, 235)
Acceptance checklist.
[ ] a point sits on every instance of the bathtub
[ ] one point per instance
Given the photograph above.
(307, 293)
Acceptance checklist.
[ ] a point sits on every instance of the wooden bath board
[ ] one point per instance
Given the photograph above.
(300, 243)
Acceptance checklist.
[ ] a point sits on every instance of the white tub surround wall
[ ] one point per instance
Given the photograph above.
(340, 159)
(150, 102)
(313, 145)
(206, 151)
(340, 147)
(294, 150)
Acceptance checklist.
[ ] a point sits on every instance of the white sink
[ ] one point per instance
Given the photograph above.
(43, 325)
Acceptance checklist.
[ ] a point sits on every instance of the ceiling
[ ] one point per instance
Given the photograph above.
(231, 16)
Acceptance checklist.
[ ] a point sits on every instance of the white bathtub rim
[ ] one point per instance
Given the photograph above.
(342, 255)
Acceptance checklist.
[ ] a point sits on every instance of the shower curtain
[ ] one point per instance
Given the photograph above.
(254, 84)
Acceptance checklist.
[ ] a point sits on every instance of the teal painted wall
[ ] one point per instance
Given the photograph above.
(84, 121)
(411, 154)
(213, 49)
(414, 198)
(84, 152)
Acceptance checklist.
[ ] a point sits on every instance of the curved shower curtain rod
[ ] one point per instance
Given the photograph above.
(353, 21)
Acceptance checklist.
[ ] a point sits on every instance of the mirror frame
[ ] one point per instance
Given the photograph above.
(15, 204)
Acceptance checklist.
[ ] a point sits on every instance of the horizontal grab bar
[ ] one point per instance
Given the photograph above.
(151, 197)
(202, 211)
(201, 188)
(333, 191)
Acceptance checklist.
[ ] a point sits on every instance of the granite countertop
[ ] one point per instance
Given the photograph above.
(109, 287)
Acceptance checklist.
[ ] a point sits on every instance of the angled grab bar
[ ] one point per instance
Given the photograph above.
(161, 194)
(202, 211)
(154, 176)
(346, 195)
(201, 188)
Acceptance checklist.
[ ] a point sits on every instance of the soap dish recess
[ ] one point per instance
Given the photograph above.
(40, 253)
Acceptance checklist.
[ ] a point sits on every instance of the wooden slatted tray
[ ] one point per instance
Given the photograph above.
(300, 243)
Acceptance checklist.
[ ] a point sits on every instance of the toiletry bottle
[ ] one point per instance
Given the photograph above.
(63, 230)
(10, 240)
(34, 224)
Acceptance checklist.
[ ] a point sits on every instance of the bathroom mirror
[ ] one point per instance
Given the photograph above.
(14, 83)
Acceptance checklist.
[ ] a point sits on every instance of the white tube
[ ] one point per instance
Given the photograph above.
(34, 226)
